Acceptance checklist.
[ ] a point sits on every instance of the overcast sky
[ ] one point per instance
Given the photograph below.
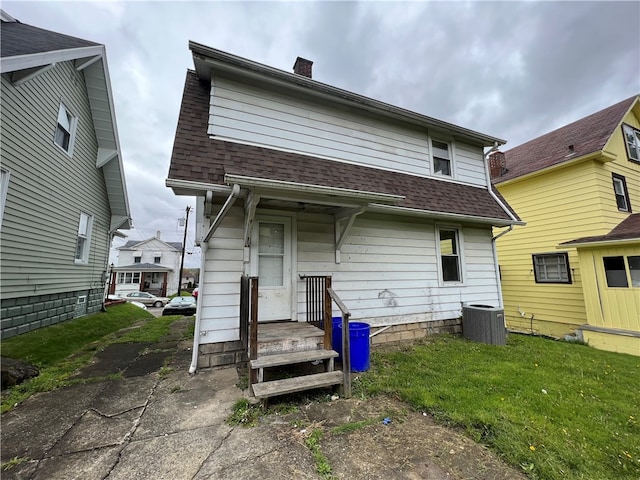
(514, 70)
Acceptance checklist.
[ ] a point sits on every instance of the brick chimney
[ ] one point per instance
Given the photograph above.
(302, 67)
(497, 164)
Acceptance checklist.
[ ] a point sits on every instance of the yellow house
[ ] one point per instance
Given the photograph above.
(575, 267)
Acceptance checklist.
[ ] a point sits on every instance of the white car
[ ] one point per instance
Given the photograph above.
(146, 298)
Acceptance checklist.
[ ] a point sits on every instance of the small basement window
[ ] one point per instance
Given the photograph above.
(551, 267)
(615, 271)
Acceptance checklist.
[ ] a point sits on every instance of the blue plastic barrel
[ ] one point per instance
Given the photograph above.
(358, 342)
(336, 336)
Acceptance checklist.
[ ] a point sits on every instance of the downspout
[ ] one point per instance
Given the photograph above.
(203, 248)
(496, 265)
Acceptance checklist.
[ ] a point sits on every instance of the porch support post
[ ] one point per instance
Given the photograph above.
(328, 323)
(349, 217)
(253, 329)
(250, 205)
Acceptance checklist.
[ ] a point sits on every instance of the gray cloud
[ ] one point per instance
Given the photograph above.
(511, 69)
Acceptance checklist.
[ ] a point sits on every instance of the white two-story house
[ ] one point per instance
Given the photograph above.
(296, 178)
(150, 265)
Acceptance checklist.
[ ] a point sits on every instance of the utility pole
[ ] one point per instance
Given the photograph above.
(184, 242)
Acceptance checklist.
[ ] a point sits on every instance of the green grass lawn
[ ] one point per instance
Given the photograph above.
(557, 410)
(60, 350)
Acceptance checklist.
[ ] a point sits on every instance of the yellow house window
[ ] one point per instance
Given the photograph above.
(632, 141)
(551, 267)
(634, 270)
(615, 271)
(622, 194)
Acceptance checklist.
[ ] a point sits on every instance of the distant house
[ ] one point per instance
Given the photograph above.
(63, 190)
(576, 265)
(150, 265)
(297, 179)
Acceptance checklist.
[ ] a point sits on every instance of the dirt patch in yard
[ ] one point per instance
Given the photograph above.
(382, 438)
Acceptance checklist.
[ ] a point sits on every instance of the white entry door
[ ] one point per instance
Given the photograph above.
(271, 257)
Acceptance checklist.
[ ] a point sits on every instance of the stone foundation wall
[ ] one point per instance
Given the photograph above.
(21, 315)
(413, 331)
(218, 354)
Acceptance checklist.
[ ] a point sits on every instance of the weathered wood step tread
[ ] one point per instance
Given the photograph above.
(289, 358)
(296, 384)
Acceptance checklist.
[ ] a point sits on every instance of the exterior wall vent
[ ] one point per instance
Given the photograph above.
(484, 323)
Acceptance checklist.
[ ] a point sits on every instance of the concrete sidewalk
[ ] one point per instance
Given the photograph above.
(158, 422)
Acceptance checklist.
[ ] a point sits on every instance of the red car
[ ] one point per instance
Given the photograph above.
(195, 293)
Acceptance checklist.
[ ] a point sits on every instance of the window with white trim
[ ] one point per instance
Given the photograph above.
(137, 257)
(65, 129)
(632, 142)
(128, 277)
(621, 192)
(450, 255)
(441, 153)
(551, 267)
(4, 187)
(83, 239)
(157, 257)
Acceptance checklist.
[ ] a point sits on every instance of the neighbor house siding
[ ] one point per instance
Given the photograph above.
(246, 114)
(48, 189)
(558, 206)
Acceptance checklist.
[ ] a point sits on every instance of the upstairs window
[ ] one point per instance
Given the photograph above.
(551, 267)
(621, 192)
(65, 129)
(137, 259)
(83, 238)
(632, 141)
(157, 257)
(449, 247)
(441, 153)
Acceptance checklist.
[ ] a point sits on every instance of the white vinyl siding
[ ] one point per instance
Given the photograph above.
(243, 113)
(388, 273)
(38, 244)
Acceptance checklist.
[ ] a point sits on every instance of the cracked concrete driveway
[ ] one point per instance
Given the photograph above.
(161, 423)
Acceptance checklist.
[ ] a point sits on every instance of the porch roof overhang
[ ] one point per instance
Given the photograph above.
(625, 233)
(328, 195)
(142, 267)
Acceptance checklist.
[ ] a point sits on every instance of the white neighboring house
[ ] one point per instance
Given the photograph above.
(150, 265)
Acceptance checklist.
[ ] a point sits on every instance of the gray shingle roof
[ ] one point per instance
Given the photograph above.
(587, 135)
(628, 229)
(132, 243)
(198, 158)
(18, 38)
(143, 266)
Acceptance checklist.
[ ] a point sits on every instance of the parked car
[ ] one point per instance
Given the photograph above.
(146, 298)
(180, 306)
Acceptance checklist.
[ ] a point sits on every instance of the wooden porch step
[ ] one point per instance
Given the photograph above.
(288, 358)
(296, 384)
